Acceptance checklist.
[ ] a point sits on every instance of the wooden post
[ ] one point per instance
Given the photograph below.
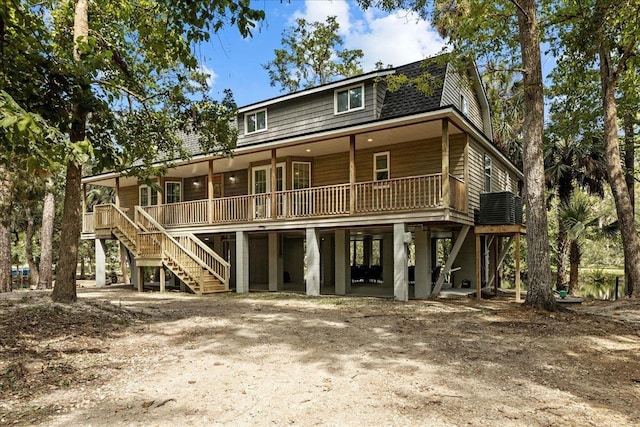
(140, 279)
(352, 174)
(162, 280)
(446, 194)
(517, 267)
(84, 198)
(210, 191)
(478, 267)
(466, 173)
(117, 195)
(495, 265)
(274, 182)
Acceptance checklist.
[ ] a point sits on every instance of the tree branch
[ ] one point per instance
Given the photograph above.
(517, 5)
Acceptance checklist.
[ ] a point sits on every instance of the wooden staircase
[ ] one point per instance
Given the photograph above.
(190, 260)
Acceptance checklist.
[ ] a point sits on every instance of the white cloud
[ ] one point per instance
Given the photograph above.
(394, 38)
(212, 76)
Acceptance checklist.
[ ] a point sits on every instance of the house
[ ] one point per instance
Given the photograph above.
(343, 188)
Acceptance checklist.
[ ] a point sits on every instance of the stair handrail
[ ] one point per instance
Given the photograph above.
(161, 229)
(225, 264)
(115, 210)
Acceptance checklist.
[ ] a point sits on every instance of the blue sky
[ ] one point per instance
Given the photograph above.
(235, 63)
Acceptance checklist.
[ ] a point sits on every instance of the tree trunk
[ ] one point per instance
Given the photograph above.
(28, 248)
(46, 237)
(5, 233)
(565, 190)
(629, 165)
(630, 241)
(574, 259)
(539, 293)
(65, 289)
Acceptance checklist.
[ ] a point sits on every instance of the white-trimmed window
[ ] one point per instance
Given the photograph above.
(487, 173)
(255, 122)
(172, 191)
(148, 196)
(381, 166)
(464, 105)
(301, 176)
(349, 99)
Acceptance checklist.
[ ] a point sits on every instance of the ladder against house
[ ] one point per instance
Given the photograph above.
(190, 260)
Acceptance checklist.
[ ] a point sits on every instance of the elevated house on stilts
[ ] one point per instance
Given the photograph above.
(345, 188)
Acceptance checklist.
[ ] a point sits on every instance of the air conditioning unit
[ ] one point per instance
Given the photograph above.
(500, 208)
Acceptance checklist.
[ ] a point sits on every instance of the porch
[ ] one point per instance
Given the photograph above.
(411, 194)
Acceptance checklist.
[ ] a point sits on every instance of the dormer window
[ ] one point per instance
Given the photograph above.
(349, 99)
(464, 105)
(255, 122)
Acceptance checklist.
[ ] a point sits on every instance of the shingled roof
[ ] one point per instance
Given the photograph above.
(408, 100)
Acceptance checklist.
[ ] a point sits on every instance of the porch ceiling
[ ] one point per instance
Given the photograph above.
(313, 148)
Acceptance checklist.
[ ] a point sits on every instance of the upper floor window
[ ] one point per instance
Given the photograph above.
(487, 173)
(148, 196)
(301, 175)
(173, 191)
(349, 99)
(381, 166)
(464, 105)
(255, 122)
(507, 181)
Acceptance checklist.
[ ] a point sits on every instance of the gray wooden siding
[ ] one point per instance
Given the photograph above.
(453, 87)
(381, 90)
(307, 114)
(476, 175)
(195, 188)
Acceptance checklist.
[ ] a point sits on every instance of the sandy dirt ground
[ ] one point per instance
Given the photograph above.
(120, 358)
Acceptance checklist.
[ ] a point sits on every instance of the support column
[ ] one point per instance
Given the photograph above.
(342, 264)
(478, 268)
(313, 262)
(387, 259)
(140, 281)
(276, 278)
(134, 271)
(400, 265)
(123, 264)
(446, 194)
(517, 267)
(101, 260)
(163, 283)
(423, 264)
(242, 262)
(366, 250)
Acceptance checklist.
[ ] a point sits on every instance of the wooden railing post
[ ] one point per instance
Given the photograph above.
(445, 164)
(274, 184)
(352, 174)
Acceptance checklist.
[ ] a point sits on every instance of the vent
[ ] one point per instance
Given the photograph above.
(500, 209)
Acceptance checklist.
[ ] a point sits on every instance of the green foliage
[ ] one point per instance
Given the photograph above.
(310, 56)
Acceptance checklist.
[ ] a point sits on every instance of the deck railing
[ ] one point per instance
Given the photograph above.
(399, 194)
(392, 195)
(88, 223)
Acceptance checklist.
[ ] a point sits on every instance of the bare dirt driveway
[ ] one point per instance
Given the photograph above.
(122, 358)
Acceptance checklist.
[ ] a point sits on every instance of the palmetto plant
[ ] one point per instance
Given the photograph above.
(578, 216)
